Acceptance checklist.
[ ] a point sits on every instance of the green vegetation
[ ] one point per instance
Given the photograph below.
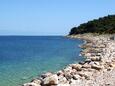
(104, 25)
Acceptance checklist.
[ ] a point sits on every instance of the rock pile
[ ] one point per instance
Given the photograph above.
(99, 52)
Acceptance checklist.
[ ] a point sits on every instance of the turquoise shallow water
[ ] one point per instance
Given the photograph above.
(25, 57)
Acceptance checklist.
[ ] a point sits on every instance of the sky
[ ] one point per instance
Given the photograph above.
(49, 17)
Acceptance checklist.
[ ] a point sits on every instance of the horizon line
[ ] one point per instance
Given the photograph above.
(32, 35)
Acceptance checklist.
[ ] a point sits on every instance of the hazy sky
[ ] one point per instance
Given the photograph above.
(49, 17)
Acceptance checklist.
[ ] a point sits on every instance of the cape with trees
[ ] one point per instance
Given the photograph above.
(103, 25)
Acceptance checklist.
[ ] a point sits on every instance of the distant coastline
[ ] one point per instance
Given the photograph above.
(103, 25)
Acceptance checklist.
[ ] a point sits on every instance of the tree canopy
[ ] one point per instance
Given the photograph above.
(102, 25)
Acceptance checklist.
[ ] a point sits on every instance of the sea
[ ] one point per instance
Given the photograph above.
(23, 58)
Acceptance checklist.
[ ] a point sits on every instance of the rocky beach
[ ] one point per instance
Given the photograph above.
(98, 69)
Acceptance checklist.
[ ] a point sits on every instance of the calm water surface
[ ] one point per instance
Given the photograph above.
(25, 57)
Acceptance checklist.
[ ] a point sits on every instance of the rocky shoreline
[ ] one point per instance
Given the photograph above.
(98, 69)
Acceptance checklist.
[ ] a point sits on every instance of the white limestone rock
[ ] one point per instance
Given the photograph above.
(51, 80)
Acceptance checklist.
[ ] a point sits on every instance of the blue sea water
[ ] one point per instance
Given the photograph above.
(25, 57)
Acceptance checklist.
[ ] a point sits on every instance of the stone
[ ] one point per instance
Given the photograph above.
(31, 84)
(73, 82)
(77, 67)
(60, 73)
(68, 75)
(87, 60)
(62, 80)
(96, 67)
(92, 63)
(46, 74)
(68, 69)
(37, 81)
(112, 65)
(96, 58)
(86, 66)
(87, 54)
(51, 80)
(97, 63)
(76, 77)
(85, 75)
(82, 62)
(102, 46)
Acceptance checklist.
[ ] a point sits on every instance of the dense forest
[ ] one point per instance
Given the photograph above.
(102, 26)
